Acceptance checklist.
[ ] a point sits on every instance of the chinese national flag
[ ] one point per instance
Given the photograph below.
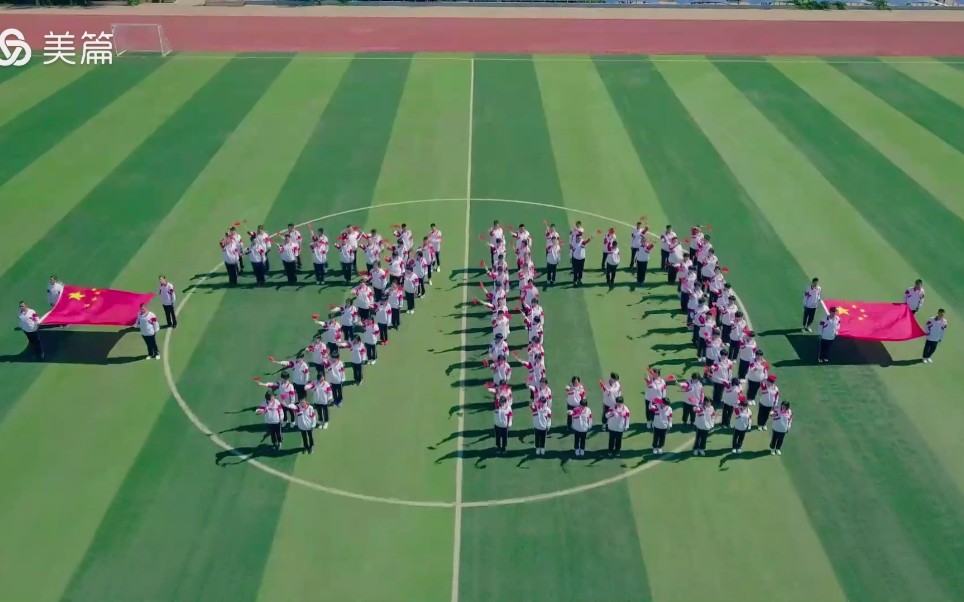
(873, 321)
(96, 307)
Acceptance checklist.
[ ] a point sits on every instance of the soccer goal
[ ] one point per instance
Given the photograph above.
(140, 38)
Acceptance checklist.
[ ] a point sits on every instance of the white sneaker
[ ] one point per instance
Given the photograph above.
(804, 329)
(655, 451)
(373, 362)
(752, 402)
(739, 451)
(732, 451)
(158, 356)
(809, 329)
(696, 452)
(773, 452)
(764, 427)
(779, 453)
(325, 426)
(649, 425)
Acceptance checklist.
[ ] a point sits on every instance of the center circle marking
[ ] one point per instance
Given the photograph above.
(252, 461)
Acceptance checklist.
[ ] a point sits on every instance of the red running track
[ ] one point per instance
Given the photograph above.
(488, 35)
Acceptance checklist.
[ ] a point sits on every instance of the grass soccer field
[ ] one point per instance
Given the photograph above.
(127, 480)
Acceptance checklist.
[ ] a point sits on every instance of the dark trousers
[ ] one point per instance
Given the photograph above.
(300, 391)
(663, 258)
(632, 256)
(322, 409)
(383, 332)
(151, 342)
(356, 373)
(659, 438)
(689, 413)
(320, 269)
(725, 330)
(615, 442)
(742, 369)
(738, 437)
(611, 273)
(379, 294)
(232, 269)
(372, 351)
(409, 301)
(808, 315)
(501, 437)
(700, 344)
(291, 271)
(717, 394)
(929, 348)
(684, 302)
(701, 437)
(671, 274)
(540, 437)
(308, 440)
(752, 388)
(824, 353)
(33, 339)
(240, 263)
(336, 394)
(641, 267)
(346, 271)
(396, 318)
(605, 257)
(169, 312)
(578, 266)
(438, 259)
(289, 415)
(364, 313)
(274, 431)
(347, 332)
(260, 269)
(727, 414)
(578, 440)
(650, 414)
(551, 272)
(734, 351)
(761, 418)
(776, 440)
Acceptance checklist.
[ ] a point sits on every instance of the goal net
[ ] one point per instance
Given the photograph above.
(140, 38)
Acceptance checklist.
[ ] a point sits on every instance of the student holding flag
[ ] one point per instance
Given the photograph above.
(662, 422)
(782, 420)
(936, 327)
(323, 396)
(541, 423)
(29, 323)
(769, 401)
(693, 390)
(273, 414)
(307, 421)
(147, 323)
(829, 328)
(503, 422)
(580, 420)
(617, 423)
(743, 417)
(705, 421)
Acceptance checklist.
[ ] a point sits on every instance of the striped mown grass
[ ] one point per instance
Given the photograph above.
(843, 169)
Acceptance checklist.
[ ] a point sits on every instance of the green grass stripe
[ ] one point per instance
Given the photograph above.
(940, 116)
(939, 77)
(913, 149)
(511, 130)
(18, 95)
(300, 92)
(669, 145)
(46, 190)
(43, 125)
(891, 201)
(7, 74)
(425, 157)
(118, 428)
(883, 481)
(797, 195)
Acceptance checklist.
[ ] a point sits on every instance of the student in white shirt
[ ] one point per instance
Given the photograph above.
(575, 394)
(580, 421)
(705, 421)
(411, 284)
(273, 413)
(743, 419)
(664, 246)
(641, 258)
(290, 253)
(335, 375)
(811, 300)
(617, 423)
(553, 255)
(147, 323)
(541, 423)
(29, 323)
(296, 238)
(359, 357)
(54, 289)
(168, 298)
(732, 396)
(323, 396)
(693, 397)
(306, 418)
(829, 327)
(769, 401)
(319, 255)
(782, 420)
(935, 328)
(234, 235)
(496, 237)
(579, 260)
(612, 391)
(611, 262)
(231, 254)
(435, 239)
(503, 422)
(662, 422)
(914, 296)
(257, 253)
(346, 255)
(637, 236)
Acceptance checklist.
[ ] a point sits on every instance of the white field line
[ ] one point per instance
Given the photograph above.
(463, 355)
(254, 462)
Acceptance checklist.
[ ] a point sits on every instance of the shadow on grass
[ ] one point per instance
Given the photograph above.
(72, 346)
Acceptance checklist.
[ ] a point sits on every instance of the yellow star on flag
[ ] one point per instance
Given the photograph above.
(77, 296)
(843, 311)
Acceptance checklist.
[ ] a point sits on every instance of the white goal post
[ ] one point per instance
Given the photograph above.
(140, 38)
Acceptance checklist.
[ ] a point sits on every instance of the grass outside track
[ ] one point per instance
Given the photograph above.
(860, 508)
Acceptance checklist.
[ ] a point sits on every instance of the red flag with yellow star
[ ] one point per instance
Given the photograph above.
(873, 321)
(96, 307)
